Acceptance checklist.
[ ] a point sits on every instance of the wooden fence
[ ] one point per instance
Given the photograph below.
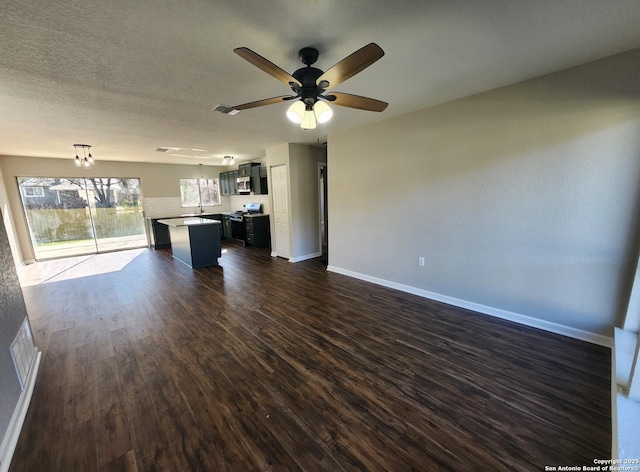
(54, 225)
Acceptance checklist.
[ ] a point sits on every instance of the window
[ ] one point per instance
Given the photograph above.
(33, 191)
(199, 192)
(74, 216)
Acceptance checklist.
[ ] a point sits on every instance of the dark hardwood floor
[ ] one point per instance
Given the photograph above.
(261, 364)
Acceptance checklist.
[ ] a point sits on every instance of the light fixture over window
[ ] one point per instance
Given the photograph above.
(87, 160)
(228, 161)
(307, 114)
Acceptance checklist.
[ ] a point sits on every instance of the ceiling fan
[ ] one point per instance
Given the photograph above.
(310, 84)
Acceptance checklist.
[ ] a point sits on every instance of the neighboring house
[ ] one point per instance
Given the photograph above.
(39, 193)
(50, 193)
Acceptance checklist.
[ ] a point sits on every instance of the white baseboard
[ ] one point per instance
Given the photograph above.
(305, 257)
(550, 326)
(614, 403)
(17, 419)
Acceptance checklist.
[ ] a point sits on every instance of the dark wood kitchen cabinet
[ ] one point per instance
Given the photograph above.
(233, 184)
(195, 241)
(229, 183)
(245, 170)
(259, 180)
(161, 239)
(257, 231)
(218, 217)
(225, 189)
(227, 231)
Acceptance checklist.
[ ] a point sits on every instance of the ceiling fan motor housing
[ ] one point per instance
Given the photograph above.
(310, 91)
(308, 55)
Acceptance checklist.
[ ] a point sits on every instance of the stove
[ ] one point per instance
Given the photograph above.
(236, 232)
(249, 209)
(237, 216)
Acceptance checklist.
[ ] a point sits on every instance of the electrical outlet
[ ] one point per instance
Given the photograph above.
(421, 261)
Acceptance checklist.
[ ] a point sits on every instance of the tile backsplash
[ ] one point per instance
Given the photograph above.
(236, 202)
(164, 206)
(172, 206)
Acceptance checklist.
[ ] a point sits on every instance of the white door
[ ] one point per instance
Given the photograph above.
(280, 190)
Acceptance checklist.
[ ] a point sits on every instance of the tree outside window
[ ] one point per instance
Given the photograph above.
(199, 192)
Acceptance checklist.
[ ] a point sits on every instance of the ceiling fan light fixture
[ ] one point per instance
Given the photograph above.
(323, 112)
(296, 112)
(308, 120)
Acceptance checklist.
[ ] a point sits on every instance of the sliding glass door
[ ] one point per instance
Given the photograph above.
(70, 217)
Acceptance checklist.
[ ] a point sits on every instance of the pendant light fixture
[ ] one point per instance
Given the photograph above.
(308, 113)
(87, 160)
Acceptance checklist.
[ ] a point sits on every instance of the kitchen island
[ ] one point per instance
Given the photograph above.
(194, 241)
(159, 233)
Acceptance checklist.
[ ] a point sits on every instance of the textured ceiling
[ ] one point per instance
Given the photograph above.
(130, 76)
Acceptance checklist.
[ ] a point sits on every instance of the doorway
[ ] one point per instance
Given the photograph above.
(77, 216)
(323, 212)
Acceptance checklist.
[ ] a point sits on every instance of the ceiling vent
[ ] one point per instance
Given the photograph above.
(227, 110)
(167, 149)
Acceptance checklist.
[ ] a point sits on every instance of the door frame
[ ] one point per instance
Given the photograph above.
(323, 208)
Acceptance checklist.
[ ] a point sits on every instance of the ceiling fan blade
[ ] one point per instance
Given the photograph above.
(356, 101)
(261, 103)
(351, 65)
(266, 65)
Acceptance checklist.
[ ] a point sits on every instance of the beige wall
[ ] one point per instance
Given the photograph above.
(12, 314)
(305, 219)
(521, 200)
(302, 162)
(8, 219)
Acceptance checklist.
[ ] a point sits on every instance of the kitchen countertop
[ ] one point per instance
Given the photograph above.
(188, 221)
(185, 215)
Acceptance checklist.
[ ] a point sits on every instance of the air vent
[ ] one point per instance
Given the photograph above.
(227, 110)
(23, 351)
(167, 149)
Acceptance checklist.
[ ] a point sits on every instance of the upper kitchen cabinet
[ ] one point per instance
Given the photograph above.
(229, 183)
(254, 170)
(225, 188)
(259, 180)
(234, 182)
(245, 170)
